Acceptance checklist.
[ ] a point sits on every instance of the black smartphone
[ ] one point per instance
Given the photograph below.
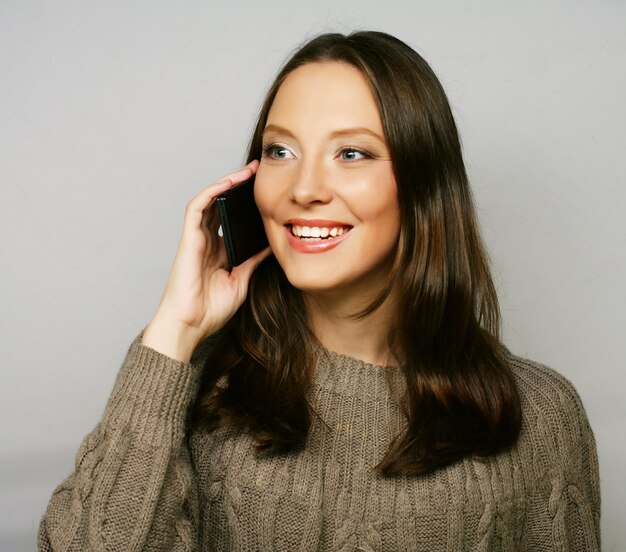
(242, 227)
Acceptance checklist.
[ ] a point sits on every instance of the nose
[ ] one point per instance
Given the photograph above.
(310, 186)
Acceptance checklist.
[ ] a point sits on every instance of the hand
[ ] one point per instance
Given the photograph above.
(201, 295)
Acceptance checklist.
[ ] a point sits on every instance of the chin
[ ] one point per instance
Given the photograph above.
(339, 270)
(335, 284)
(314, 282)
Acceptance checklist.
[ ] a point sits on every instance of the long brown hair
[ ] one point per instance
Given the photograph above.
(461, 397)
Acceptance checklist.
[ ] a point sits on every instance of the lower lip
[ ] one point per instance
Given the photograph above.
(318, 246)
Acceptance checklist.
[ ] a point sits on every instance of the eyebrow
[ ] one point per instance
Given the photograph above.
(335, 134)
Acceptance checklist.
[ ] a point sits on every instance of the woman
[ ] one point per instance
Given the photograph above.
(348, 392)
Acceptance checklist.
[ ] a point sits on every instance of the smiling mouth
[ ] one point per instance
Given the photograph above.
(317, 233)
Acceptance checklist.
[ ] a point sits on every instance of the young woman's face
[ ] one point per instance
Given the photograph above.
(325, 186)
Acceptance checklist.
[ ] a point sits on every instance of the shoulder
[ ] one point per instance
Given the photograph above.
(544, 391)
(555, 427)
(557, 441)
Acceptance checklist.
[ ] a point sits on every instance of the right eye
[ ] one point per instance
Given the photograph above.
(275, 151)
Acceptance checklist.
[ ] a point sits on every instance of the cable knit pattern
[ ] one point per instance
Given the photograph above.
(142, 481)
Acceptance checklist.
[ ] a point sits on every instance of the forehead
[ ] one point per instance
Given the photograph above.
(329, 94)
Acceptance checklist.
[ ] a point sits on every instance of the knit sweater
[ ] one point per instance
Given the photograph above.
(144, 480)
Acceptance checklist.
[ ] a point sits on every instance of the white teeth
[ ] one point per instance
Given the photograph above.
(316, 232)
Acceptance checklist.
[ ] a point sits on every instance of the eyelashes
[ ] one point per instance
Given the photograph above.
(349, 154)
(352, 154)
(273, 150)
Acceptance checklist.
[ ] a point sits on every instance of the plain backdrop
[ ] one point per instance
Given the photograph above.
(113, 115)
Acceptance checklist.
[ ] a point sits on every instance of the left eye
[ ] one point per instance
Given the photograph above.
(352, 154)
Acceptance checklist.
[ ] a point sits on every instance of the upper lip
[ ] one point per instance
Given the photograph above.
(317, 223)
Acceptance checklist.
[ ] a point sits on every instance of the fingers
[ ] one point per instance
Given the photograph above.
(244, 271)
(197, 206)
(242, 174)
(223, 184)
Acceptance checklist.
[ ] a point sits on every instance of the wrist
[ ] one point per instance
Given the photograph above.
(170, 339)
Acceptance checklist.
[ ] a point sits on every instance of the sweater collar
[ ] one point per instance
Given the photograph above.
(349, 376)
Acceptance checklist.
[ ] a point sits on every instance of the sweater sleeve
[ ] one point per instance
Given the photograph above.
(577, 510)
(565, 515)
(133, 487)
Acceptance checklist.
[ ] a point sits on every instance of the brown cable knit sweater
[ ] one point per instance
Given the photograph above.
(143, 483)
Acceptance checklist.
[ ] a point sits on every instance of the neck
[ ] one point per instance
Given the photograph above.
(367, 338)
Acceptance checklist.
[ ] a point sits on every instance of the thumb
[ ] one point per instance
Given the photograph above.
(244, 271)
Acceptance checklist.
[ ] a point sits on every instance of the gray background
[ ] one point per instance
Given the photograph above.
(114, 114)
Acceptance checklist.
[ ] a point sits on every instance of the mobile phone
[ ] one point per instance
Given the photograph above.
(241, 223)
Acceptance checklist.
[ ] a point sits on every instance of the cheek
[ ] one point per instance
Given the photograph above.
(376, 205)
(388, 228)
(383, 221)
(264, 195)
(267, 198)
(271, 190)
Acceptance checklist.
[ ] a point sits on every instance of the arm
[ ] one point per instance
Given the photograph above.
(563, 514)
(133, 487)
(577, 516)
